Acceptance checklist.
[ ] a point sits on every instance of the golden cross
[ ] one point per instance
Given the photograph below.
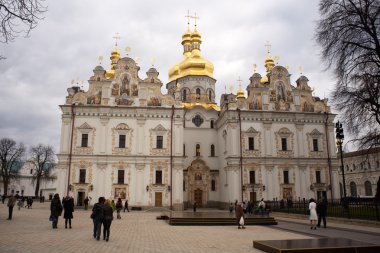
(231, 88)
(276, 58)
(268, 46)
(301, 70)
(195, 17)
(153, 61)
(239, 80)
(188, 19)
(116, 37)
(127, 50)
(100, 58)
(254, 68)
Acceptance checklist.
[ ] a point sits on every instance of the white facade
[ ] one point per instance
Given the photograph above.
(25, 185)
(123, 138)
(362, 172)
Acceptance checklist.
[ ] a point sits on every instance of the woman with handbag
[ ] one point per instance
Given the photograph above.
(55, 210)
(313, 217)
(239, 212)
(107, 219)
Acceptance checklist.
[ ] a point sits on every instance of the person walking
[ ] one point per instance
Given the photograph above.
(11, 204)
(68, 206)
(119, 207)
(113, 205)
(86, 200)
(97, 217)
(107, 220)
(55, 210)
(126, 205)
(231, 207)
(19, 204)
(195, 206)
(262, 207)
(322, 212)
(239, 212)
(313, 217)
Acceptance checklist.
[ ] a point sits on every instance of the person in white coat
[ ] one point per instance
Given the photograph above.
(313, 217)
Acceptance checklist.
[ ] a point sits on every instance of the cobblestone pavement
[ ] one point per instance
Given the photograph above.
(30, 231)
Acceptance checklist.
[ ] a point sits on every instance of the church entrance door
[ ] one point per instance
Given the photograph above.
(198, 197)
(80, 199)
(158, 199)
(252, 196)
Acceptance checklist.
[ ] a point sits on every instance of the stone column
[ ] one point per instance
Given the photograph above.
(139, 187)
(268, 143)
(269, 182)
(300, 140)
(140, 140)
(103, 145)
(177, 188)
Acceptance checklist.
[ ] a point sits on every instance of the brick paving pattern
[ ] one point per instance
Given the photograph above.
(30, 231)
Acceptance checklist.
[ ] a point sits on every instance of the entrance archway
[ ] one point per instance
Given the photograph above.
(198, 177)
(198, 197)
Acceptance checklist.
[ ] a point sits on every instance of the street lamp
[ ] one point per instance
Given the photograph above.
(339, 143)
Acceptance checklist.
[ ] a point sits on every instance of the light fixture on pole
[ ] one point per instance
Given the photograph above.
(339, 143)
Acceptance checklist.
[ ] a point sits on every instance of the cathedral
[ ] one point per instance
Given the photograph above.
(123, 138)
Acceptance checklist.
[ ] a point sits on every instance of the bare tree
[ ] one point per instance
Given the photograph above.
(349, 34)
(19, 17)
(43, 159)
(11, 156)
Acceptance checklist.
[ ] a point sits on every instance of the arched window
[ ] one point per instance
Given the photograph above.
(212, 150)
(209, 95)
(184, 95)
(198, 93)
(212, 124)
(353, 190)
(197, 150)
(368, 188)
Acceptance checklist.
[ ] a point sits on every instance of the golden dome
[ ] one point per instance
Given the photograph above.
(193, 62)
(269, 64)
(240, 93)
(115, 56)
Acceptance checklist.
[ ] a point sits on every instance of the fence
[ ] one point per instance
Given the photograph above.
(350, 208)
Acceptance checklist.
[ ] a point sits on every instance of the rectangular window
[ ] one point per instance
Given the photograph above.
(184, 185)
(158, 176)
(284, 144)
(159, 142)
(286, 177)
(82, 176)
(31, 171)
(252, 177)
(122, 141)
(213, 185)
(318, 176)
(212, 151)
(84, 140)
(251, 143)
(184, 150)
(315, 145)
(120, 176)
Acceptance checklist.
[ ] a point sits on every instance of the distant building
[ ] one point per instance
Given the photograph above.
(124, 138)
(24, 184)
(362, 171)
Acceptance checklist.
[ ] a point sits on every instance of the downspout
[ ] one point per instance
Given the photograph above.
(241, 158)
(71, 147)
(171, 161)
(328, 153)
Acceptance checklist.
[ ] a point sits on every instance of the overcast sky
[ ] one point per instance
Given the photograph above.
(67, 43)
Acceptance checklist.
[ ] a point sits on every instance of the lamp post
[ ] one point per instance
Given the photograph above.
(339, 143)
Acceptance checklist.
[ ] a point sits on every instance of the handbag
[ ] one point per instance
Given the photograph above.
(241, 222)
(52, 218)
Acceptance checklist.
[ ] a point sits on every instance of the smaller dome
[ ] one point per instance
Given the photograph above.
(255, 75)
(98, 68)
(152, 70)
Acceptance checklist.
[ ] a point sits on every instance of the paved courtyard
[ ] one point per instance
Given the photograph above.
(30, 231)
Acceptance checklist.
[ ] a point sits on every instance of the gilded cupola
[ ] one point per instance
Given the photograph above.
(193, 63)
(115, 56)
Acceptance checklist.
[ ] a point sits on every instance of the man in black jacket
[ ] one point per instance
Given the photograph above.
(97, 217)
(322, 211)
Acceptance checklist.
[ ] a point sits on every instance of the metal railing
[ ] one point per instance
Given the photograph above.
(351, 208)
